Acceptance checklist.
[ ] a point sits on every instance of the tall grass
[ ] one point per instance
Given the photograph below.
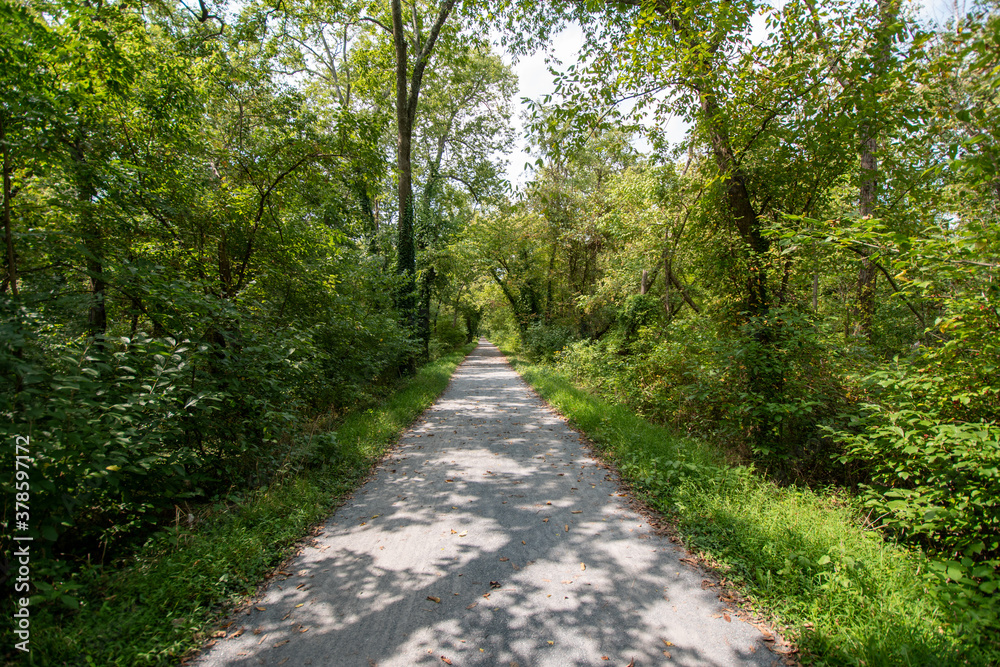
(802, 557)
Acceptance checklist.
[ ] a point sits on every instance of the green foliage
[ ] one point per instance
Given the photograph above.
(545, 341)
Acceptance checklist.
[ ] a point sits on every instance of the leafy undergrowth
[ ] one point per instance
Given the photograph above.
(842, 593)
(161, 606)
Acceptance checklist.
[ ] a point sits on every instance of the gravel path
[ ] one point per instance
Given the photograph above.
(489, 537)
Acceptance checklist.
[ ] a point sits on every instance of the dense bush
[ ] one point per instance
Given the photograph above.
(124, 430)
(542, 341)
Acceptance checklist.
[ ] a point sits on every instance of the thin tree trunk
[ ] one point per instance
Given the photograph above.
(406, 251)
(93, 242)
(867, 273)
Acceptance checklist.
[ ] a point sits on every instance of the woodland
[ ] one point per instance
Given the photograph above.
(230, 227)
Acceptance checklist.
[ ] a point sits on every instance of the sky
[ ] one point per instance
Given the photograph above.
(534, 80)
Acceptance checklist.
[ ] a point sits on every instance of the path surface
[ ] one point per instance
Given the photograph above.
(489, 537)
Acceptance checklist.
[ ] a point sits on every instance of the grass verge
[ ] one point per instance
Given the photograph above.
(162, 606)
(841, 593)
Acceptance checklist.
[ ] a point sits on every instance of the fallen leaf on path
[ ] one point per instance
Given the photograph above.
(545, 520)
(463, 533)
(567, 527)
(445, 660)
(552, 643)
(472, 605)
(667, 643)
(433, 598)
(504, 560)
(486, 595)
(261, 608)
(705, 583)
(299, 605)
(583, 566)
(727, 618)
(577, 512)
(631, 663)
(219, 633)
(282, 643)
(304, 630)
(604, 657)
(494, 584)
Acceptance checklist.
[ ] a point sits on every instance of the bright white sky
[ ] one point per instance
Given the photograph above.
(534, 79)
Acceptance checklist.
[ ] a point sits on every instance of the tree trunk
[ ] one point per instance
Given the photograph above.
(406, 265)
(93, 243)
(867, 273)
(739, 203)
(407, 95)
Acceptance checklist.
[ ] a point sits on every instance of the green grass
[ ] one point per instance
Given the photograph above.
(179, 587)
(801, 557)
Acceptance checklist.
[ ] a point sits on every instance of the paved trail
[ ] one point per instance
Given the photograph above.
(489, 537)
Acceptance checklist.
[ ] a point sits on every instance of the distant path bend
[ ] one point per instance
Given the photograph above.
(489, 537)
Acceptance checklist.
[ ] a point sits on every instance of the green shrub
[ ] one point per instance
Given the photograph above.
(542, 341)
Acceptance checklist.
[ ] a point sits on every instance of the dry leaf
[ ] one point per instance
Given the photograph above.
(299, 605)
(667, 643)
(445, 660)
(463, 533)
(282, 643)
(304, 630)
(486, 595)
(583, 566)
(504, 560)
(472, 605)
(545, 520)
(219, 633)
(567, 527)
(260, 608)
(433, 598)
(577, 512)
(727, 619)
(552, 643)
(604, 657)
